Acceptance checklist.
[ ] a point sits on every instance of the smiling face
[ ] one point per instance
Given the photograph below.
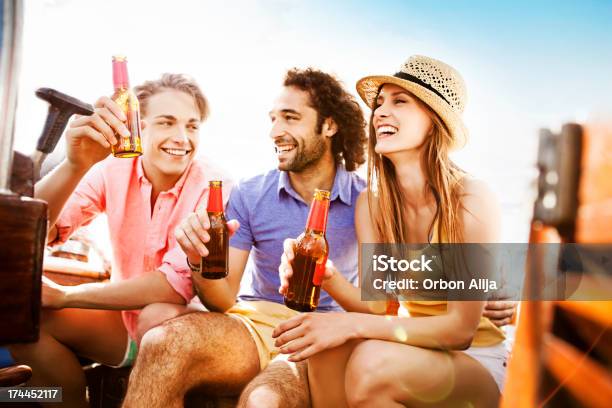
(297, 143)
(170, 135)
(400, 121)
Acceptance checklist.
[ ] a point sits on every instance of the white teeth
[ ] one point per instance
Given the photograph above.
(285, 148)
(386, 130)
(175, 152)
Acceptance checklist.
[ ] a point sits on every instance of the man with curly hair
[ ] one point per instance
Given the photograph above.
(318, 133)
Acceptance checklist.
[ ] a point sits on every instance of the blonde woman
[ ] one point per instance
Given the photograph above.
(433, 353)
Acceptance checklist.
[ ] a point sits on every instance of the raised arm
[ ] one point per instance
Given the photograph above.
(88, 141)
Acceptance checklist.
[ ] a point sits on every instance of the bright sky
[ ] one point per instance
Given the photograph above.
(526, 66)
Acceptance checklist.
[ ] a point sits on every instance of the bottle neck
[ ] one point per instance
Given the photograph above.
(215, 200)
(317, 218)
(120, 75)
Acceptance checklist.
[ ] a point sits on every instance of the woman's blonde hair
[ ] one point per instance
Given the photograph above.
(442, 176)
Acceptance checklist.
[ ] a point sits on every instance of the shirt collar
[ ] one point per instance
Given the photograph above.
(175, 190)
(341, 188)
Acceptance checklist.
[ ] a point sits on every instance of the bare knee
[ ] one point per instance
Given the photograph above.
(281, 384)
(155, 314)
(179, 341)
(158, 341)
(368, 375)
(261, 396)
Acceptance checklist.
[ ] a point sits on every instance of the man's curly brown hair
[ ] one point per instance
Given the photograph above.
(330, 100)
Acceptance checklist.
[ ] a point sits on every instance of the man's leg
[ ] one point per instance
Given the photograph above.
(210, 351)
(281, 384)
(95, 334)
(155, 314)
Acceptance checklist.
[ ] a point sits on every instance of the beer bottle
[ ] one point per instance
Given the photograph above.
(215, 265)
(310, 257)
(129, 146)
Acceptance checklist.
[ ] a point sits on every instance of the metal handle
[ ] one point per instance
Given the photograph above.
(54, 127)
(61, 108)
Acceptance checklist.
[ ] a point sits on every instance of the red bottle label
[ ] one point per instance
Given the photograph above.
(120, 74)
(215, 197)
(317, 218)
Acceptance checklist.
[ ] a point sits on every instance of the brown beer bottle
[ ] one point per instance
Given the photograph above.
(215, 265)
(129, 146)
(310, 257)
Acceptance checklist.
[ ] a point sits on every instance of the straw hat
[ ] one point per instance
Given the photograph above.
(435, 83)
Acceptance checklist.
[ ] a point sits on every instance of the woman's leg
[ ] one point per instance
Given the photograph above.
(326, 372)
(95, 334)
(388, 374)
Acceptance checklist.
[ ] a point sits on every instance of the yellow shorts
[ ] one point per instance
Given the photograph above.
(260, 318)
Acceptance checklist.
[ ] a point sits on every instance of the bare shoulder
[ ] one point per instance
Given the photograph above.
(363, 212)
(364, 222)
(361, 203)
(475, 191)
(481, 212)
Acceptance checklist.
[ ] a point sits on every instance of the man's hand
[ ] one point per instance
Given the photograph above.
(192, 234)
(285, 271)
(500, 312)
(89, 138)
(53, 295)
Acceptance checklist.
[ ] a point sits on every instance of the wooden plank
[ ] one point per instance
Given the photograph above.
(596, 184)
(23, 227)
(594, 216)
(596, 169)
(524, 367)
(74, 267)
(596, 311)
(22, 175)
(70, 279)
(594, 222)
(13, 376)
(591, 333)
(523, 379)
(597, 146)
(588, 382)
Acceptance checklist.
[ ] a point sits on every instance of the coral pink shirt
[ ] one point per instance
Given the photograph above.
(142, 238)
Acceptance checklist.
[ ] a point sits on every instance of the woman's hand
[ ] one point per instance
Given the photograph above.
(309, 333)
(285, 271)
(500, 312)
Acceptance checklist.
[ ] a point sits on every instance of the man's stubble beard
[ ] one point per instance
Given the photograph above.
(304, 160)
